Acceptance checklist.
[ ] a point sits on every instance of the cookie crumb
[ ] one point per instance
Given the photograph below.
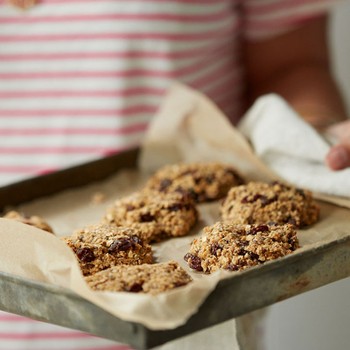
(33, 220)
(98, 198)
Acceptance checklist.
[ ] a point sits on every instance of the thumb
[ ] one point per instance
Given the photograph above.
(340, 131)
(338, 157)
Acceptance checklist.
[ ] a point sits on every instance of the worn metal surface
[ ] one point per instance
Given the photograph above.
(77, 176)
(235, 296)
(244, 292)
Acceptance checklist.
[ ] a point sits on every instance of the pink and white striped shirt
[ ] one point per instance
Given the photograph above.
(81, 79)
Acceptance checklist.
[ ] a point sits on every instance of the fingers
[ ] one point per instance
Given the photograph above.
(340, 131)
(338, 157)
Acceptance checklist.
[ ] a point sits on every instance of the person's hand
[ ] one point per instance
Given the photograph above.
(339, 155)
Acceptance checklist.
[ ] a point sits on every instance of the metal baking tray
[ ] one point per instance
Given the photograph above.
(244, 292)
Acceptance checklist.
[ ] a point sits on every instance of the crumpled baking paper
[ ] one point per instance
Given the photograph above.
(188, 127)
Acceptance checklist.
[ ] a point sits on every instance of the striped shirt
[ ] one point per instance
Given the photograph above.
(81, 79)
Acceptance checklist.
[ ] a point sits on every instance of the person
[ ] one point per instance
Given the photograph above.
(81, 80)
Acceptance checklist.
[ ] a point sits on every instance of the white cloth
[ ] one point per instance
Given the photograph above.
(291, 147)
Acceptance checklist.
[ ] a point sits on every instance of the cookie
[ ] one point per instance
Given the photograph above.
(99, 247)
(146, 278)
(236, 247)
(34, 220)
(156, 215)
(204, 182)
(261, 203)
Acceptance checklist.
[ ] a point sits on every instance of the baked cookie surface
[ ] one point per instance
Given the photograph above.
(146, 278)
(34, 220)
(99, 247)
(237, 247)
(261, 203)
(156, 215)
(204, 182)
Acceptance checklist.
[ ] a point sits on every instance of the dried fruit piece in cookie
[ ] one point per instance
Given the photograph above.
(99, 247)
(146, 278)
(202, 181)
(237, 247)
(155, 215)
(34, 220)
(261, 203)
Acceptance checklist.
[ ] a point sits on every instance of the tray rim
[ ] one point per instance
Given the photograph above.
(139, 335)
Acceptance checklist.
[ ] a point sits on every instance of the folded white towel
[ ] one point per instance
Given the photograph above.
(291, 147)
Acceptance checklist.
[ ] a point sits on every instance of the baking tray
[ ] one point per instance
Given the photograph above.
(244, 292)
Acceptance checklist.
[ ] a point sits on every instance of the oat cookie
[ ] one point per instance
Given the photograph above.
(202, 181)
(99, 247)
(156, 215)
(236, 247)
(34, 220)
(262, 203)
(146, 278)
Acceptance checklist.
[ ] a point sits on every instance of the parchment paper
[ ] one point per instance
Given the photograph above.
(187, 128)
